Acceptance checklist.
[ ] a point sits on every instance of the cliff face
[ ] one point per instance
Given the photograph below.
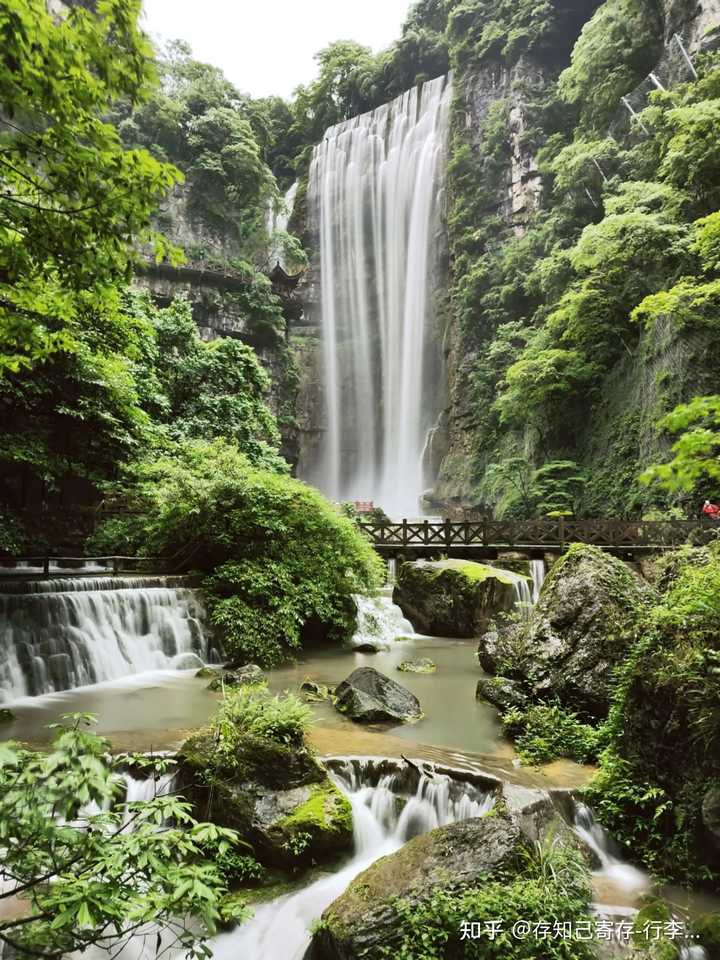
(613, 434)
(228, 301)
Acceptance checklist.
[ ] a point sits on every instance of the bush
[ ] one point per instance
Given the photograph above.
(545, 732)
(282, 563)
(254, 710)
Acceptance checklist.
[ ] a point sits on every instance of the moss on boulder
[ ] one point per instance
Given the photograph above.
(580, 630)
(278, 797)
(453, 598)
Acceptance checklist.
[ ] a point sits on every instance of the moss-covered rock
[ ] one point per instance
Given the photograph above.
(365, 922)
(453, 598)
(241, 677)
(6, 716)
(500, 692)
(580, 630)
(424, 665)
(278, 797)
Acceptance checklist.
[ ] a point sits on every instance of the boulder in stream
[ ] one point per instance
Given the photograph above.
(579, 631)
(423, 665)
(454, 598)
(242, 677)
(500, 692)
(278, 797)
(368, 696)
(365, 923)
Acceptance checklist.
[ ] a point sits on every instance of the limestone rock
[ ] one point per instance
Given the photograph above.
(314, 692)
(279, 798)
(453, 598)
(368, 696)
(363, 920)
(580, 629)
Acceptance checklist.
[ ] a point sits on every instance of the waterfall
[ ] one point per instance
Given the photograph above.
(389, 808)
(379, 622)
(375, 203)
(537, 573)
(277, 221)
(59, 634)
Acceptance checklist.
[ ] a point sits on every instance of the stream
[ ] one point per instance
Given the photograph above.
(127, 650)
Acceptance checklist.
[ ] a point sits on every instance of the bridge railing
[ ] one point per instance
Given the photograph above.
(611, 534)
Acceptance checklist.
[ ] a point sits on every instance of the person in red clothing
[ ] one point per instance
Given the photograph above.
(711, 510)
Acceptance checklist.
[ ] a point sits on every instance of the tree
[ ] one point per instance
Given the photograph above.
(92, 870)
(697, 449)
(73, 203)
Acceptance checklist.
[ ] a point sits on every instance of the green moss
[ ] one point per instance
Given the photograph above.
(326, 810)
(477, 572)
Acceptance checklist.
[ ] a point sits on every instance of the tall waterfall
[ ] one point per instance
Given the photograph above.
(59, 634)
(375, 202)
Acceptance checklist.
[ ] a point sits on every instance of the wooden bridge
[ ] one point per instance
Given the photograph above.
(486, 537)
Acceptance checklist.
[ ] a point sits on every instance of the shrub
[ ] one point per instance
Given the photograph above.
(282, 563)
(545, 732)
(254, 710)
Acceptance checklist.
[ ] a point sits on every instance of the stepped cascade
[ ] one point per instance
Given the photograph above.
(59, 634)
(375, 198)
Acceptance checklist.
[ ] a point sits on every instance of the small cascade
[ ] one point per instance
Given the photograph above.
(389, 807)
(621, 876)
(277, 222)
(60, 634)
(379, 622)
(537, 573)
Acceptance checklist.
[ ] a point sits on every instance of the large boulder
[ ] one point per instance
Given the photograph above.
(368, 696)
(364, 922)
(454, 598)
(580, 630)
(279, 798)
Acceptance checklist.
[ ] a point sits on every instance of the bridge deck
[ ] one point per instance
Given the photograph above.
(476, 535)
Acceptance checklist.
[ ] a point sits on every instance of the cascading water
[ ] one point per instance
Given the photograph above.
(375, 202)
(537, 574)
(379, 622)
(388, 810)
(59, 634)
(277, 222)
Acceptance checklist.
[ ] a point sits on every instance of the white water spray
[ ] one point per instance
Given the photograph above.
(60, 634)
(375, 201)
(385, 816)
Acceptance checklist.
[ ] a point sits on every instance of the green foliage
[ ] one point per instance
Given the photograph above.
(283, 563)
(616, 49)
(253, 710)
(96, 878)
(213, 134)
(73, 202)
(549, 884)
(695, 462)
(667, 692)
(544, 732)
(207, 390)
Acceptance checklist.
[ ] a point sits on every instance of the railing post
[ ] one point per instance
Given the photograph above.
(115, 566)
(46, 566)
(485, 532)
(562, 532)
(448, 532)
(404, 532)
(426, 532)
